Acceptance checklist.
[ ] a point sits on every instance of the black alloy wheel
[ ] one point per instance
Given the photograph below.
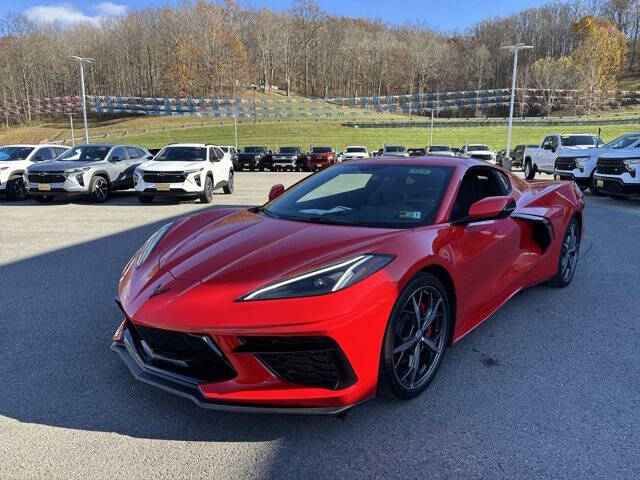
(416, 338)
(16, 189)
(207, 194)
(569, 252)
(99, 189)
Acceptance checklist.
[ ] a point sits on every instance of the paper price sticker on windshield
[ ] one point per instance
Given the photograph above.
(409, 214)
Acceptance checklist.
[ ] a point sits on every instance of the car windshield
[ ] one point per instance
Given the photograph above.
(288, 150)
(483, 148)
(252, 149)
(624, 141)
(225, 149)
(321, 150)
(184, 154)
(14, 153)
(382, 196)
(578, 140)
(395, 149)
(86, 153)
(356, 150)
(439, 148)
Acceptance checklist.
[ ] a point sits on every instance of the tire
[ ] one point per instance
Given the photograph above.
(146, 198)
(98, 189)
(396, 378)
(43, 198)
(529, 171)
(16, 189)
(207, 193)
(228, 188)
(582, 187)
(568, 259)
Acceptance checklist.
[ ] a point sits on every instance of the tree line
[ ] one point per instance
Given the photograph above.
(219, 49)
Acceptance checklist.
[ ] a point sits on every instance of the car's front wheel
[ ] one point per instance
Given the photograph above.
(568, 260)
(416, 338)
(16, 189)
(207, 193)
(98, 189)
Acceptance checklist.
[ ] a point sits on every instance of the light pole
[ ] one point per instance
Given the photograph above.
(515, 49)
(82, 61)
(73, 138)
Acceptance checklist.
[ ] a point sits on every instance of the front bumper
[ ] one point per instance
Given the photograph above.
(575, 176)
(69, 188)
(190, 390)
(187, 188)
(616, 186)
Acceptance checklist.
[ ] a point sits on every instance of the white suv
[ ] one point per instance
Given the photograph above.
(185, 170)
(353, 152)
(15, 159)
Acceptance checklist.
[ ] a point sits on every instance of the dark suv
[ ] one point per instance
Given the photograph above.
(255, 158)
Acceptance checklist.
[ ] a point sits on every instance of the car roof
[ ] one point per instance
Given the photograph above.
(201, 145)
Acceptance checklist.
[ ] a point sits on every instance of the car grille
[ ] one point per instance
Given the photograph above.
(164, 177)
(48, 177)
(481, 156)
(610, 166)
(191, 355)
(312, 361)
(565, 163)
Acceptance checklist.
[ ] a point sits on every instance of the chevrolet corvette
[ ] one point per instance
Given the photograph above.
(353, 282)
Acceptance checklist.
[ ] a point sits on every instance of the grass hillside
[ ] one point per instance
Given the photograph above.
(302, 134)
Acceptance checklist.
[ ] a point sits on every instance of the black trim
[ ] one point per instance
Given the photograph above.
(191, 391)
(582, 181)
(615, 186)
(542, 231)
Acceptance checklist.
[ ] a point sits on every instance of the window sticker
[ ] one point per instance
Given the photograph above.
(410, 214)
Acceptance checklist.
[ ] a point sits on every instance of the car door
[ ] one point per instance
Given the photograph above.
(547, 153)
(136, 157)
(116, 166)
(485, 251)
(216, 157)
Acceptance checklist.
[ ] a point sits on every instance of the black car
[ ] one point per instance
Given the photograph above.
(517, 155)
(290, 158)
(255, 158)
(417, 152)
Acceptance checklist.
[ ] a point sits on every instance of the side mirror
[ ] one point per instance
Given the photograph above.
(38, 158)
(491, 207)
(116, 158)
(546, 146)
(276, 191)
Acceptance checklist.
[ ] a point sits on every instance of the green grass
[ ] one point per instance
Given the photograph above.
(334, 134)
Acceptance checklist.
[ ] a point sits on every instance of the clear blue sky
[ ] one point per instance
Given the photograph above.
(443, 14)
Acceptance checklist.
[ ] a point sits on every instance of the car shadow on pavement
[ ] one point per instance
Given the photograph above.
(514, 394)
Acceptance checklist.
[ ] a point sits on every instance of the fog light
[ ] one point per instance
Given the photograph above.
(80, 179)
(197, 179)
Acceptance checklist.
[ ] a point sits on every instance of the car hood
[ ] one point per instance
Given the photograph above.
(250, 249)
(57, 165)
(619, 153)
(155, 166)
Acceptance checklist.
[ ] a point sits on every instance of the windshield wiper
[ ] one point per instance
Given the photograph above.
(261, 209)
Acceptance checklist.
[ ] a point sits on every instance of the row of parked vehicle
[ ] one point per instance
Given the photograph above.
(188, 170)
(196, 170)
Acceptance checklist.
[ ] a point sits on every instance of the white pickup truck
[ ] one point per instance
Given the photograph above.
(543, 158)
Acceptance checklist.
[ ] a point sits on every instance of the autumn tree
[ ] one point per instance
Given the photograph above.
(550, 76)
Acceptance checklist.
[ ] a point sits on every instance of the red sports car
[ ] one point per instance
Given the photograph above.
(352, 282)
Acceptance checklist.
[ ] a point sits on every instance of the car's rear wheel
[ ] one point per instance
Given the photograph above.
(16, 189)
(146, 198)
(207, 193)
(228, 188)
(529, 171)
(98, 189)
(569, 252)
(416, 338)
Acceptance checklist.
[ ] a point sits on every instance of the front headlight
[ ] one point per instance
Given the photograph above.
(71, 171)
(630, 164)
(151, 243)
(580, 161)
(195, 170)
(324, 280)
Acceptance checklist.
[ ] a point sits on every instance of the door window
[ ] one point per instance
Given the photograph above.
(44, 154)
(118, 152)
(478, 183)
(134, 152)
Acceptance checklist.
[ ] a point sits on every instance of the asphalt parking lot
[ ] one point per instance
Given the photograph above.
(547, 387)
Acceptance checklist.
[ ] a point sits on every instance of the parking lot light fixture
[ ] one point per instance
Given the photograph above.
(515, 49)
(82, 61)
